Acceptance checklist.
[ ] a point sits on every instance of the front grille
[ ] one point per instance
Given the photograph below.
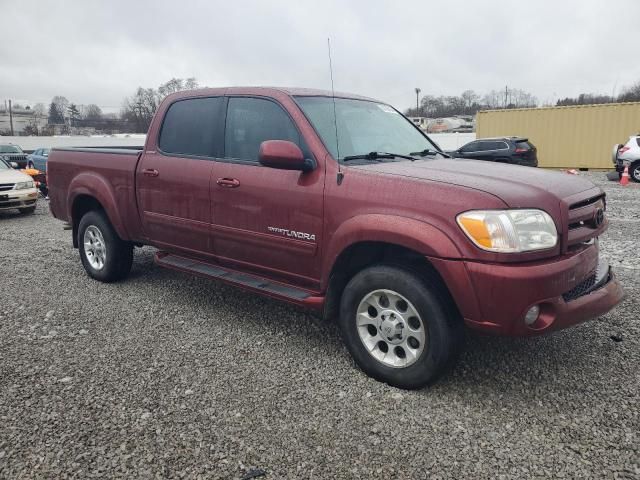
(583, 221)
(593, 282)
(19, 158)
(579, 290)
(588, 201)
(17, 203)
(6, 186)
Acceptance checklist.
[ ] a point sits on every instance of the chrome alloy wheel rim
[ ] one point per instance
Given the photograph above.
(94, 247)
(636, 173)
(391, 328)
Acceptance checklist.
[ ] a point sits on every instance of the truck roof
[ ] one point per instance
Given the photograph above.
(268, 91)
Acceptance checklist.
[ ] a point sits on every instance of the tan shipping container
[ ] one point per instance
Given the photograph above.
(580, 136)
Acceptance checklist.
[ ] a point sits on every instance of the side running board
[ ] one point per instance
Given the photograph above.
(252, 282)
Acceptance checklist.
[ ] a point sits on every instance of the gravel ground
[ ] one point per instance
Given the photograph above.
(166, 375)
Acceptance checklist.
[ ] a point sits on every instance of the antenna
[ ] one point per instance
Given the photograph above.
(335, 117)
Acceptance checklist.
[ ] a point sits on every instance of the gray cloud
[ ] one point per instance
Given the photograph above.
(99, 52)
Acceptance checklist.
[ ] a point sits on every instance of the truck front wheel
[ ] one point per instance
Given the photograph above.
(399, 326)
(104, 255)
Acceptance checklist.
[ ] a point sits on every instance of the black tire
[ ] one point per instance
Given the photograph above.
(27, 210)
(634, 171)
(443, 325)
(119, 254)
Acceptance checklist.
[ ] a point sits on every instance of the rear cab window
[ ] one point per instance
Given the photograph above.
(193, 127)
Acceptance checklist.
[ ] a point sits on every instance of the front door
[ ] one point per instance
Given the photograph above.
(172, 183)
(265, 219)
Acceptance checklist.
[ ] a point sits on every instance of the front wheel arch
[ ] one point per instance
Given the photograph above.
(358, 256)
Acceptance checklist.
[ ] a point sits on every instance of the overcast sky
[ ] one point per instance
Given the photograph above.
(101, 51)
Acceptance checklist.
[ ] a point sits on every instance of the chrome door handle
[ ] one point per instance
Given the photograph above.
(228, 182)
(150, 172)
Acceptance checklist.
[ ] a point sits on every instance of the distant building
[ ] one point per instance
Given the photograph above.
(22, 118)
(420, 122)
(451, 124)
(460, 123)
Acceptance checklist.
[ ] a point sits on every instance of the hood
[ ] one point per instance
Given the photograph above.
(515, 185)
(13, 176)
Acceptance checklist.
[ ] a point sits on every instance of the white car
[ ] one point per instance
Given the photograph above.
(628, 155)
(17, 190)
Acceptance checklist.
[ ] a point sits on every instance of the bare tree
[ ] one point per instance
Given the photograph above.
(92, 113)
(469, 98)
(630, 94)
(177, 85)
(138, 110)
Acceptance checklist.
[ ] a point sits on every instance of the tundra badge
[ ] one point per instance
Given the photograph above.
(292, 233)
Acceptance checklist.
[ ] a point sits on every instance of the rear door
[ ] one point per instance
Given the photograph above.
(172, 186)
(265, 219)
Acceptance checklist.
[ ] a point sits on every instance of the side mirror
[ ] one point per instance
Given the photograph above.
(284, 155)
(14, 165)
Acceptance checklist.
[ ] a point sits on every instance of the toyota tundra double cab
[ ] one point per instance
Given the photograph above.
(340, 204)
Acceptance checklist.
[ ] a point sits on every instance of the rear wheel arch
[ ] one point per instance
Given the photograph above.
(84, 203)
(91, 191)
(81, 205)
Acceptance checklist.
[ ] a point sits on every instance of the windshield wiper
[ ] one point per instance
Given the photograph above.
(377, 156)
(426, 152)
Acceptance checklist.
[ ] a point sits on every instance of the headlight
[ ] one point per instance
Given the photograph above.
(23, 185)
(509, 231)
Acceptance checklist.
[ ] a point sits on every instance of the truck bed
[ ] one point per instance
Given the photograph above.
(108, 173)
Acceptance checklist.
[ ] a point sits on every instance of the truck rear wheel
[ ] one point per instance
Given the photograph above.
(399, 327)
(104, 255)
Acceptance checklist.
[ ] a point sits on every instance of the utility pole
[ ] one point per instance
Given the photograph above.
(10, 118)
(417, 100)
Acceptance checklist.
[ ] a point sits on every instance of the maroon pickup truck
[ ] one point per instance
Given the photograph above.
(342, 205)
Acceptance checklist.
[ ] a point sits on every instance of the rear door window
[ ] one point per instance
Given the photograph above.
(193, 127)
(470, 147)
(251, 121)
(485, 146)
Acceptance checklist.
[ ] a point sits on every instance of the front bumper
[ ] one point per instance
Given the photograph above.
(11, 199)
(569, 290)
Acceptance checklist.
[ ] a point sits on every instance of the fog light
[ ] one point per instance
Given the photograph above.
(532, 315)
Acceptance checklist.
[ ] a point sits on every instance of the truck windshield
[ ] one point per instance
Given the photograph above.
(363, 127)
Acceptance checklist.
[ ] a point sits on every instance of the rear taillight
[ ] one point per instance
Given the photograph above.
(521, 150)
(623, 149)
